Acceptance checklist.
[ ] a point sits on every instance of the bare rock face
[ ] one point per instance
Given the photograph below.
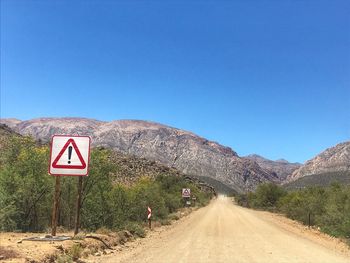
(334, 159)
(172, 147)
(281, 167)
(11, 122)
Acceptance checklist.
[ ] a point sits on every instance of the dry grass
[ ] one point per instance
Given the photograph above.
(6, 253)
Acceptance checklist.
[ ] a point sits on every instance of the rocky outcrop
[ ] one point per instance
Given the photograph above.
(334, 159)
(281, 167)
(172, 147)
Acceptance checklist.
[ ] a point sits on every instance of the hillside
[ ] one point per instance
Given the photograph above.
(130, 168)
(281, 168)
(331, 161)
(172, 147)
(116, 192)
(324, 179)
(219, 187)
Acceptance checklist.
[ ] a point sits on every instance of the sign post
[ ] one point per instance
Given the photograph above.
(56, 202)
(194, 200)
(78, 205)
(186, 194)
(69, 156)
(149, 215)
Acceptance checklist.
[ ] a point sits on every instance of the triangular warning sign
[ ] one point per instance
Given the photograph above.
(65, 166)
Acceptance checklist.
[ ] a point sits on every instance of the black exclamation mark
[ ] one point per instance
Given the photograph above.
(69, 153)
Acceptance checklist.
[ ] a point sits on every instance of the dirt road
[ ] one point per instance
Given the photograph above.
(224, 232)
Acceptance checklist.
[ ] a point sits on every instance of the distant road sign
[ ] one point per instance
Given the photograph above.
(186, 192)
(149, 213)
(69, 155)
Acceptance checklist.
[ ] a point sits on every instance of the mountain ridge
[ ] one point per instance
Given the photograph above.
(332, 159)
(190, 153)
(281, 167)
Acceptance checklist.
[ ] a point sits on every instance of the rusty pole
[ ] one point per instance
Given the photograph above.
(56, 203)
(78, 205)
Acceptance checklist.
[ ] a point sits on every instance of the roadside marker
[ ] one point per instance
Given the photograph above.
(186, 192)
(149, 215)
(69, 156)
(186, 195)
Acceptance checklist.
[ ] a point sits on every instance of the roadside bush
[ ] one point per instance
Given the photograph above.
(173, 217)
(298, 205)
(135, 229)
(26, 192)
(75, 251)
(146, 193)
(328, 207)
(336, 217)
(64, 259)
(165, 222)
(266, 196)
(241, 199)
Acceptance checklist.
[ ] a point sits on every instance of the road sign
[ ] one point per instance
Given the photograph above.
(69, 155)
(149, 213)
(186, 192)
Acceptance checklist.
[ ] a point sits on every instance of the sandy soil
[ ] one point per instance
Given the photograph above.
(27, 249)
(224, 232)
(14, 249)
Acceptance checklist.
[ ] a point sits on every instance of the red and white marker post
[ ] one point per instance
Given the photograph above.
(149, 215)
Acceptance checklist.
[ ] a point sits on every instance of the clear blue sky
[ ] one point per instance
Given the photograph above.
(267, 77)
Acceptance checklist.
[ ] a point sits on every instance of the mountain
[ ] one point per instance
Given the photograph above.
(281, 167)
(172, 147)
(130, 168)
(334, 160)
(322, 179)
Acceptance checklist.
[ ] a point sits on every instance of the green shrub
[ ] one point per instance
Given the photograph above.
(165, 222)
(267, 195)
(64, 259)
(136, 229)
(328, 207)
(336, 217)
(173, 217)
(75, 251)
(26, 192)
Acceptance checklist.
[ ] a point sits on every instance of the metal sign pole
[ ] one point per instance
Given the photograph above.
(78, 205)
(56, 203)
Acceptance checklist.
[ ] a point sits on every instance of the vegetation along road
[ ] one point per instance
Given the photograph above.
(225, 232)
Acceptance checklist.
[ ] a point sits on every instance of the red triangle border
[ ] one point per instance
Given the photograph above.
(83, 164)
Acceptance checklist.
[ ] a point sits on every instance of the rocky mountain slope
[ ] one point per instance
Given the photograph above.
(130, 168)
(172, 147)
(281, 168)
(333, 160)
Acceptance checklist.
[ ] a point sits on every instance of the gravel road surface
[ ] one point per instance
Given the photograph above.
(225, 232)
